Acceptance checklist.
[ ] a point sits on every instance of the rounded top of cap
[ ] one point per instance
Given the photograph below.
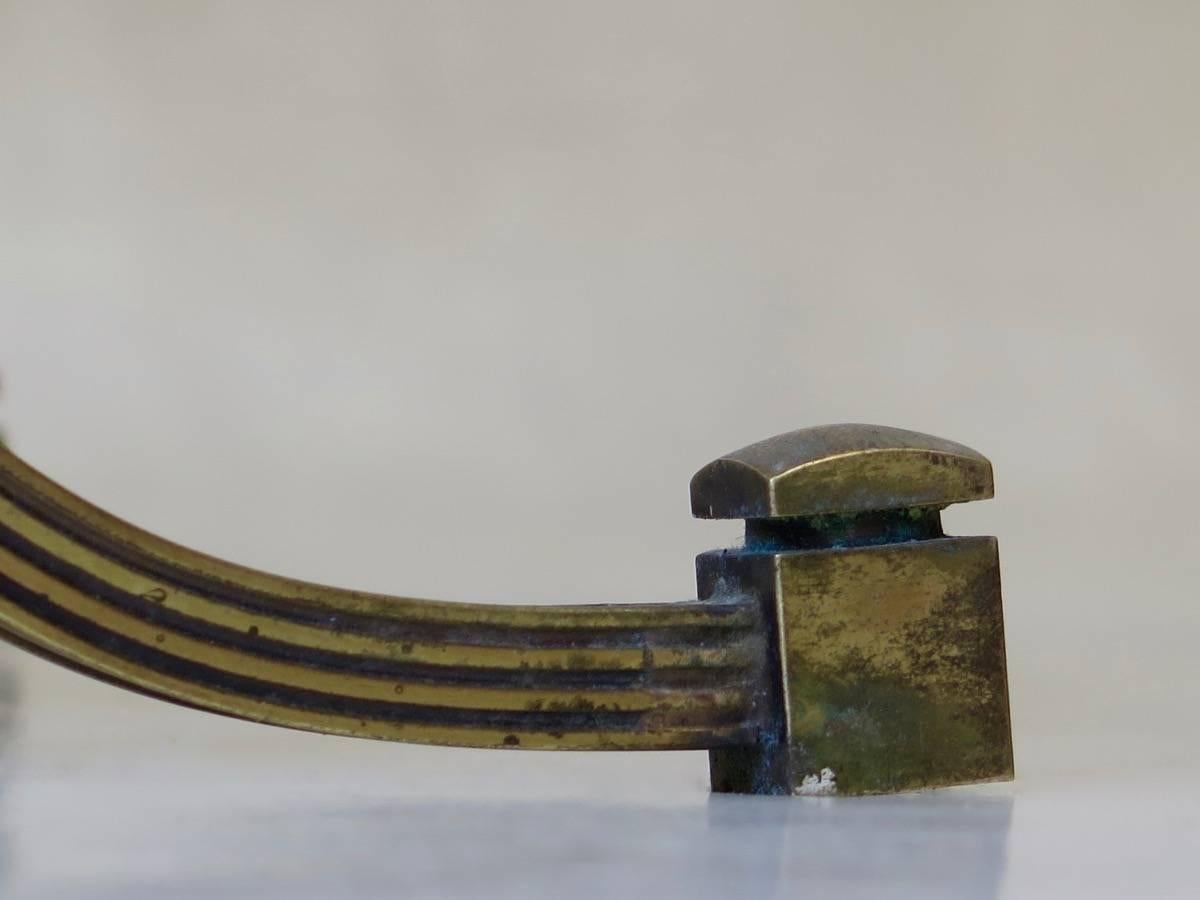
(839, 469)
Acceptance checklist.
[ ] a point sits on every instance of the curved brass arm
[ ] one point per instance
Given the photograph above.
(847, 646)
(91, 592)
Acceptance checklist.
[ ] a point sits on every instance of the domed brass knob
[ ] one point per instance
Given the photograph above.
(839, 469)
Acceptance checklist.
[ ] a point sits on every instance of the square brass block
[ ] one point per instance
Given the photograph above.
(888, 665)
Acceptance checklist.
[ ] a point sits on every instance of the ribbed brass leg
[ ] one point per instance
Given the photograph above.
(847, 647)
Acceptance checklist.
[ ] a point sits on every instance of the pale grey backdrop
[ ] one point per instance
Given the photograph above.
(451, 299)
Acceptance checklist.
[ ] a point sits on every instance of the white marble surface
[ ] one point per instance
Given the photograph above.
(141, 800)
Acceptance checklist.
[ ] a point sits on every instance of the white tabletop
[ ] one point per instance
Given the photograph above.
(129, 798)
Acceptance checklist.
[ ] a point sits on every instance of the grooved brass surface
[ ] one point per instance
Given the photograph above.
(91, 592)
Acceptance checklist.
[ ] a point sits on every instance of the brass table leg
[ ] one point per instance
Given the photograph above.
(847, 647)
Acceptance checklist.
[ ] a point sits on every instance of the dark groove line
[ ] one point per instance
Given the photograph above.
(700, 678)
(331, 704)
(301, 612)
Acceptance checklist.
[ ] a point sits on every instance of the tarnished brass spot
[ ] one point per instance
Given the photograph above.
(893, 665)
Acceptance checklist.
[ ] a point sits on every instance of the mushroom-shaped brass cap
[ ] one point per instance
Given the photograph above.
(839, 469)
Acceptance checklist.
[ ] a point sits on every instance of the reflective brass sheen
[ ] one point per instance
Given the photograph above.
(846, 635)
(839, 469)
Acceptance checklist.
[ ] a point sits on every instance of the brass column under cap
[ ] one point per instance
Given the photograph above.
(847, 635)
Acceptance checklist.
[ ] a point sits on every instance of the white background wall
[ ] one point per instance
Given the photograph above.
(451, 299)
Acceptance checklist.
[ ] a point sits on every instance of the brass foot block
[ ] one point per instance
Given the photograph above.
(887, 638)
